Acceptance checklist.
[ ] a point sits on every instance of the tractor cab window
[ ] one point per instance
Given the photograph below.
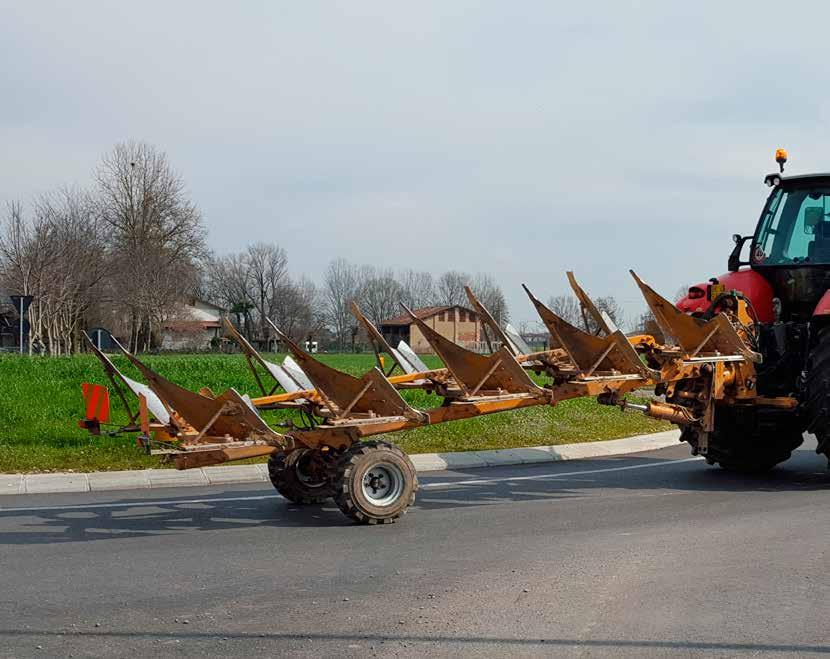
(795, 228)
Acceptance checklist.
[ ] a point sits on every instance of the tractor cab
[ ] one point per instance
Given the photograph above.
(791, 244)
(790, 248)
(794, 228)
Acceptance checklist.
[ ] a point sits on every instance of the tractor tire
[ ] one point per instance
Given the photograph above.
(290, 476)
(749, 447)
(818, 391)
(375, 483)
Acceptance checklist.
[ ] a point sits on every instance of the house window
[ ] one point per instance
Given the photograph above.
(441, 317)
(471, 316)
(461, 316)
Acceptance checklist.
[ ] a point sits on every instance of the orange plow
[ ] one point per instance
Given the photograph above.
(326, 451)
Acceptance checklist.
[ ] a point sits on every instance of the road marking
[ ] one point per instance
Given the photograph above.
(540, 477)
(262, 497)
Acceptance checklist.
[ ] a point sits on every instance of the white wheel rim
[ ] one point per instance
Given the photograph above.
(383, 484)
(304, 478)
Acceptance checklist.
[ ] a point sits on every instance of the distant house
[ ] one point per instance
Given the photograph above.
(457, 323)
(196, 325)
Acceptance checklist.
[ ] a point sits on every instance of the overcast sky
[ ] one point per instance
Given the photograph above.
(521, 139)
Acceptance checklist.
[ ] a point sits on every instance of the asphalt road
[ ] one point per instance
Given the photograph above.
(652, 554)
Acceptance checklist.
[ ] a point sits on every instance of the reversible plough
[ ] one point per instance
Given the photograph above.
(323, 450)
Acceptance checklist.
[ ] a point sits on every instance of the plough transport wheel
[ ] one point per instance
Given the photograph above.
(299, 476)
(375, 482)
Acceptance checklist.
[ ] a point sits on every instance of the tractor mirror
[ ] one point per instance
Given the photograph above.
(735, 262)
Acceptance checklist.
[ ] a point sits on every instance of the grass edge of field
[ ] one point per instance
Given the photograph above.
(38, 431)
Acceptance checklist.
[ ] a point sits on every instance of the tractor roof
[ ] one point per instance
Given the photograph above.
(797, 180)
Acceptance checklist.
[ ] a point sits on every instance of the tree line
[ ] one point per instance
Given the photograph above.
(125, 252)
(120, 253)
(255, 285)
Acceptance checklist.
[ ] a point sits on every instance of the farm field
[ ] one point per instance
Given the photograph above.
(40, 403)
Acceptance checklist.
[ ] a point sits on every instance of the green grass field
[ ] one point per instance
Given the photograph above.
(40, 403)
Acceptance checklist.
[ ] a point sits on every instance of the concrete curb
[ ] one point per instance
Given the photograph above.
(154, 478)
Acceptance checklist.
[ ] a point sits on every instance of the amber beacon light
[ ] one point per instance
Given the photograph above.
(781, 158)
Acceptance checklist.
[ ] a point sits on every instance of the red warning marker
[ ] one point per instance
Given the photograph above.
(96, 402)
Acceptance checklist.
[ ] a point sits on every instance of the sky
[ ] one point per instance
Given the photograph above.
(519, 139)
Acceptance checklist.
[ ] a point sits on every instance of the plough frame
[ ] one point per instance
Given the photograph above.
(707, 363)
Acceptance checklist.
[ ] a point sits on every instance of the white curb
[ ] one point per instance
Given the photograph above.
(258, 473)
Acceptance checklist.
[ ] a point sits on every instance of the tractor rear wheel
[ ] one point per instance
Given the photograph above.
(818, 391)
(749, 441)
(375, 482)
(300, 476)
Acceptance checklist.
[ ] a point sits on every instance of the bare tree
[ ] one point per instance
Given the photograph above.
(224, 282)
(155, 234)
(59, 258)
(380, 295)
(266, 269)
(488, 291)
(450, 288)
(417, 289)
(608, 305)
(341, 285)
(296, 309)
(144, 201)
(567, 308)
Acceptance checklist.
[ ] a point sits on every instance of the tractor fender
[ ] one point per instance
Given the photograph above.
(822, 308)
(747, 281)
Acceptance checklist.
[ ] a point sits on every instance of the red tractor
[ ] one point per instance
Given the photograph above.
(786, 287)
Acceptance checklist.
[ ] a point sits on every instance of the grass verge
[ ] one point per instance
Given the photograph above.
(40, 402)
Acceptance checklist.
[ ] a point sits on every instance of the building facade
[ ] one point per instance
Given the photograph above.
(197, 326)
(458, 324)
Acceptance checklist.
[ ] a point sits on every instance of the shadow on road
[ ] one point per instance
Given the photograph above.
(229, 511)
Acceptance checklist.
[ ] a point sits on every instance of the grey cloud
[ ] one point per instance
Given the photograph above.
(522, 139)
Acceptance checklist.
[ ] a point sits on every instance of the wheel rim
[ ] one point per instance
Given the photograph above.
(383, 484)
(306, 479)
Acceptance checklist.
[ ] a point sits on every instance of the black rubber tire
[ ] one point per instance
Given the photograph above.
(818, 391)
(356, 465)
(754, 449)
(285, 472)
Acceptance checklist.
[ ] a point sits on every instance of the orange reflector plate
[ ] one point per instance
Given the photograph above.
(96, 402)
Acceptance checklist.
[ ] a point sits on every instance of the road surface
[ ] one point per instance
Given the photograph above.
(650, 554)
